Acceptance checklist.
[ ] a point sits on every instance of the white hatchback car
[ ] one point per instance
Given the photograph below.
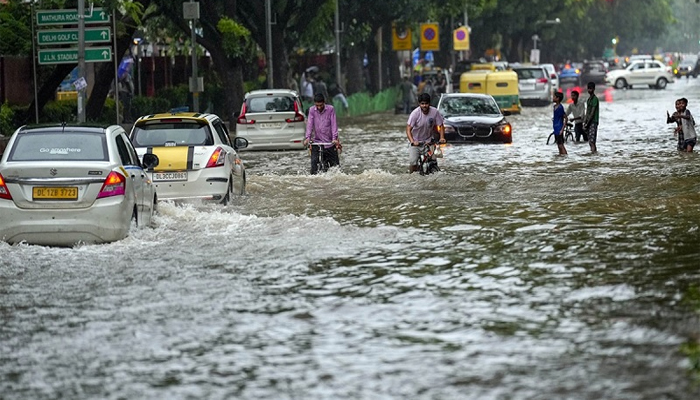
(650, 73)
(272, 119)
(64, 184)
(198, 161)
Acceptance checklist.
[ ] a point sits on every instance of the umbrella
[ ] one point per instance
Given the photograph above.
(124, 67)
(312, 68)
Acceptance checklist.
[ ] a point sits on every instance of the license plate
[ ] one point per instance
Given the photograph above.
(55, 193)
(271, 125)
(527, 87)
(169, 176)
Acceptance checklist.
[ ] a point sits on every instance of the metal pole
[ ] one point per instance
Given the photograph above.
(338, 71)
(379, 56)
(268, 34)
(34, 56)
(116, 67)
(138, 57)
(195, 93)
(81, 58)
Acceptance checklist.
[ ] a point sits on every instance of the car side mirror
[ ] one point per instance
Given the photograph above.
(150, 160)
(240, 143)
(506, 113)
(553, 76)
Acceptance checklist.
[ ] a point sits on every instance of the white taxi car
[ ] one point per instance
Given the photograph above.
(650, 73)
(63, 184)
(198, 160)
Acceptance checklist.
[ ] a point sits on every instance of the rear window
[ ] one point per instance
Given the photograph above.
(530, 73)
(59, 146)
(270, 104)
(172, 134)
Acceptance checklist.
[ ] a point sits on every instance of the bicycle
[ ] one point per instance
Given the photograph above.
(426, 163)
(321, 164)
(568, 134)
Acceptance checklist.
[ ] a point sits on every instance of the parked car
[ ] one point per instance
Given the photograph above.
(198, 160)
(646, 72)
(65, 184)
(570, 74)
(593, 71)
(471, 117)
(534, 85)
(272, 119)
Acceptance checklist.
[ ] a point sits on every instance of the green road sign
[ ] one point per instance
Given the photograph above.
(70, 17)
(67, 56)
(70, 36)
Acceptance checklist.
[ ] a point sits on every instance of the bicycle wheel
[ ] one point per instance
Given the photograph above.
(551, 135)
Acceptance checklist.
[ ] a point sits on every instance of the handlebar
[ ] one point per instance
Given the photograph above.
(321, 143)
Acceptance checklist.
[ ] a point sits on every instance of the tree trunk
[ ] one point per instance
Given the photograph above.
(231, 74)
(104, 79)
(280, 60)
(47, 91)
(354, 70)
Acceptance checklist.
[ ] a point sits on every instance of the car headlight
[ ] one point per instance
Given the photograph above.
(450, 129)
(503, 128)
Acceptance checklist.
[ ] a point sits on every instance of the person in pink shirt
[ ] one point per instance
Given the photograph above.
(423, 122)
(322, 127)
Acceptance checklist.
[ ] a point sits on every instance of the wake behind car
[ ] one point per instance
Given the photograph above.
(198, 161)
(472, 117)
(64, 184)
(272, 119)
(650, 73)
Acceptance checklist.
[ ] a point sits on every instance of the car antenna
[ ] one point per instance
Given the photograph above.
(63, 126)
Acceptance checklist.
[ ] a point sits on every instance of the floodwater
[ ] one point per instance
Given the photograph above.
(512, 274)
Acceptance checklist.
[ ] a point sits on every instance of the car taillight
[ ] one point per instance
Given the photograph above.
(298, 117)
(542, 80)
(242, 119)
(217, 159)
(115, 185)
(4, 191)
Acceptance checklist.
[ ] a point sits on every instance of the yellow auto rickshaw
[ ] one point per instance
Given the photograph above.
(503, 86)
(473, 81)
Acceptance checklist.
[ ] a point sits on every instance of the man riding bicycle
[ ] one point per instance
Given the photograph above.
(323, 125)
(422, 123)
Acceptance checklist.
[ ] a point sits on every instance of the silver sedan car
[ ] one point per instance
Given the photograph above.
(62, 184)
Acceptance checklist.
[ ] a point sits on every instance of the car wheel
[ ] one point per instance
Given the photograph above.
(620, 83)
(134, 218)
(661, 83)
(229, 191)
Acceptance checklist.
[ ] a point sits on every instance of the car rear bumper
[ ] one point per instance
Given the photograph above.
(209, 184)
(107, 220)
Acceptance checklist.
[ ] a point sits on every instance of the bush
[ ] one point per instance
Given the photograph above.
(142, 105)
(59, 111)
(7, 124)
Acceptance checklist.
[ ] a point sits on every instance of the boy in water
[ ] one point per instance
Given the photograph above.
(687, 126)
(678, 132)
(559, 122)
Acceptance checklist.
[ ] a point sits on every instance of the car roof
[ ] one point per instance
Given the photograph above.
(266, 92)
(73, 127)
(201, 117)
(474, 95)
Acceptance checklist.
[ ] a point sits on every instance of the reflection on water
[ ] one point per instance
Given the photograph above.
(512, 274)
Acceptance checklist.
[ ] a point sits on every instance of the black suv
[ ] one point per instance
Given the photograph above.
(593, 71)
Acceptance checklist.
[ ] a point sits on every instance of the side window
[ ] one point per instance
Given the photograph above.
(222, 132)
(123, 149)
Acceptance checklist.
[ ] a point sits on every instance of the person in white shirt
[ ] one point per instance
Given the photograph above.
(578, 110)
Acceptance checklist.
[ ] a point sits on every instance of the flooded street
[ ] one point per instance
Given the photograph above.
(512, 274)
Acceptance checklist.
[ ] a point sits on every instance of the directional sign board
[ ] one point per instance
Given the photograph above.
(70, 36)
(70, 17)
(67, 56)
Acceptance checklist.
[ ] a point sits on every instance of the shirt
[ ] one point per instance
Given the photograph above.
(688, 126)
(423, 124)
(592, 106)
(578, 110)
(558, 120)
(322, 124)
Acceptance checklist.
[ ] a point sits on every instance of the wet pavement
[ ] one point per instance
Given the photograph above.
(512, 274)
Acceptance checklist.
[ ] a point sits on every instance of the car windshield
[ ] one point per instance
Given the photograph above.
(270, 104)
(468, 106)
(172, 134)
(59, 146)
(530, 73)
